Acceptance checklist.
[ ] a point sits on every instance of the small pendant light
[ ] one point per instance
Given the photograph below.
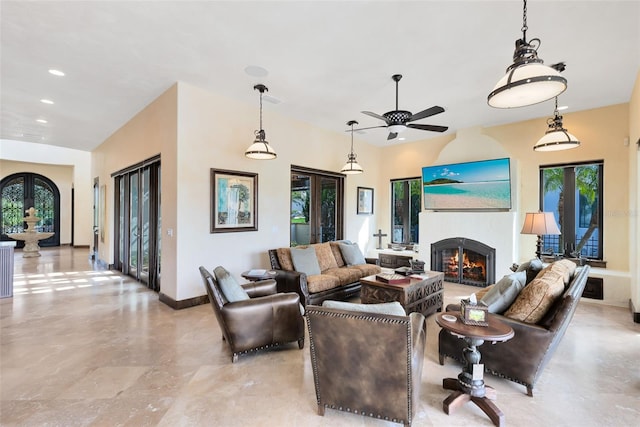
(351, 167)
(556, 137)
(528, 81)
(260, 149)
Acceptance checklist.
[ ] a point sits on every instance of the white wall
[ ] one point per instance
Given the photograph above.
(80, 162)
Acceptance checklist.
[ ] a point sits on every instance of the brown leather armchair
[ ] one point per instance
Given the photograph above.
(367, 363)
(266, 319)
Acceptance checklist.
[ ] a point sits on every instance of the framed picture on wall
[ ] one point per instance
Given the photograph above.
(234, 201)
(365, 201)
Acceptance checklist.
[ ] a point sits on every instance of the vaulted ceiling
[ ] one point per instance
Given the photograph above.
(325, 61)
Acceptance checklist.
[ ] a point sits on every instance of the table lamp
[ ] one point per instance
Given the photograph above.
(541, 224)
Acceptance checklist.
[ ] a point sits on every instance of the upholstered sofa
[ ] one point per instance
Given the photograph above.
(340, 266)
(367, 363)
(522, 359)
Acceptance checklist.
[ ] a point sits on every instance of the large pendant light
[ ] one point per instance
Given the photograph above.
(528, 81)
(260, 149)
(556, 137)
(351, 167)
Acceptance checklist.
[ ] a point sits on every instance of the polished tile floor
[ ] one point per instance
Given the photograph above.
(86, 347)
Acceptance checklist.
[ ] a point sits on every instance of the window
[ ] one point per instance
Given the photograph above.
(405, 207)
(574, 194)
(316, 206)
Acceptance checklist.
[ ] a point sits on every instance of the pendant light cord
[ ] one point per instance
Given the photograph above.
(524, 22)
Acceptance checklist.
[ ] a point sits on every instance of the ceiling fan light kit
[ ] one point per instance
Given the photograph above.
(556, 137)
(397, 121)
(260, 149)
(527, 81)
(351, 167)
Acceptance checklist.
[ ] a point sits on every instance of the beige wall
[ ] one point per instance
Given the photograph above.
(71, 169)
(634, 189)
(213, 132)
(152, 131)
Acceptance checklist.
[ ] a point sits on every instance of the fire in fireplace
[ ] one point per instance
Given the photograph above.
(475, 267)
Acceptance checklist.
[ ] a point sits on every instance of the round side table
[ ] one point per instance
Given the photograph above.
(469, 386)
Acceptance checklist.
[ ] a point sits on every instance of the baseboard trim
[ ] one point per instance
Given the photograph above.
(185, 303)
(635, 314)
(79, 246)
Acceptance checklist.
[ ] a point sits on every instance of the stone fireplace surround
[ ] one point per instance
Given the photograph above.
(495, 229)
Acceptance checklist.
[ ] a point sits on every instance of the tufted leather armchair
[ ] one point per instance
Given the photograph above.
(266, 319)
(366, 363)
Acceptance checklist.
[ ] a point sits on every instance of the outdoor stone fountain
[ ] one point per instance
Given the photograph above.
(30, 235)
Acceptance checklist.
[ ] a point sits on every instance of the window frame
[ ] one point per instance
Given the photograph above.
(406, 220)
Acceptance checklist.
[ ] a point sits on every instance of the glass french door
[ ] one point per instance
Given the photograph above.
(22, 191)
(316, 206)
(138, 223)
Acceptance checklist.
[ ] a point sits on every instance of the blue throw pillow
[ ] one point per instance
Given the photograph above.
(305, 260)
(351, 254)
(503, 294)
(229, 286)
(393, 308)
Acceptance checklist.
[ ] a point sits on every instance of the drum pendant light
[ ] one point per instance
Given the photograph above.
(351, 167)
(260, 149)
(528, 81)
(556, 138)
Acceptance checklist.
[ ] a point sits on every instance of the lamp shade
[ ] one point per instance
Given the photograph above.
(527, 84)
(556, 140)
(540, 223)
(260, 150)
(351, 167)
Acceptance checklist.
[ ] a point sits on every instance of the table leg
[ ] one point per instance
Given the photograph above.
(490, 408)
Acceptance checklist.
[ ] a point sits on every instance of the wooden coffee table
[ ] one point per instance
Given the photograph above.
(469, 386)
(419, 295)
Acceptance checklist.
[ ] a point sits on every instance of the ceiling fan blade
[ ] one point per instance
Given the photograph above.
(432, 128)
(377, 116)
(426, 113)
(372, 127)
(391, 135)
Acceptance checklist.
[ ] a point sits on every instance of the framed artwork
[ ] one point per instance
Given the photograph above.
(234, 201)
(365, 201)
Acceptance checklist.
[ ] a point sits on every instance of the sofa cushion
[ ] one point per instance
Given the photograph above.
(284, 257)
(504, 292)
(229, 286)
(393, 308)
(536, 298)
(532, 268)
(321, 282)
(345, 274)
(351, 254)
(366, 269)
(305, 260)
(325, 256)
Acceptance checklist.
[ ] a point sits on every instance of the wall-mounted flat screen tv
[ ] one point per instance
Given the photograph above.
(482, 185)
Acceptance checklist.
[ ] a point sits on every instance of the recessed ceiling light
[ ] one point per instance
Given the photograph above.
(56, 72)
(41, 121)
(46, 101)
(563, 107)
(255, 71)
(401, 139)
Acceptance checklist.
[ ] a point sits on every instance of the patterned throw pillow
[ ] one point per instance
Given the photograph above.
(326, 260)
(536, 298)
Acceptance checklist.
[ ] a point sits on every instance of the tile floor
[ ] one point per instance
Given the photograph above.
(85, 347)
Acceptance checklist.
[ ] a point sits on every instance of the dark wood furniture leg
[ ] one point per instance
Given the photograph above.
(466, 388)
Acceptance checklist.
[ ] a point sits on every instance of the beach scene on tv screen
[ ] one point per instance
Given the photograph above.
(474, 185)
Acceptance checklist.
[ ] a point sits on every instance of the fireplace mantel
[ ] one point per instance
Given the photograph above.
(496, 229)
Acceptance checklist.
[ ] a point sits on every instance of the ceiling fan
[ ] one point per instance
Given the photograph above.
(398, 120)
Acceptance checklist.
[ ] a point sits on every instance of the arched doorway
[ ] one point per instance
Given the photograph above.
(19, 192)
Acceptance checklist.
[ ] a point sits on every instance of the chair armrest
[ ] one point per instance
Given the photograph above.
(293, 281)
(260, 313)
(260, 288)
